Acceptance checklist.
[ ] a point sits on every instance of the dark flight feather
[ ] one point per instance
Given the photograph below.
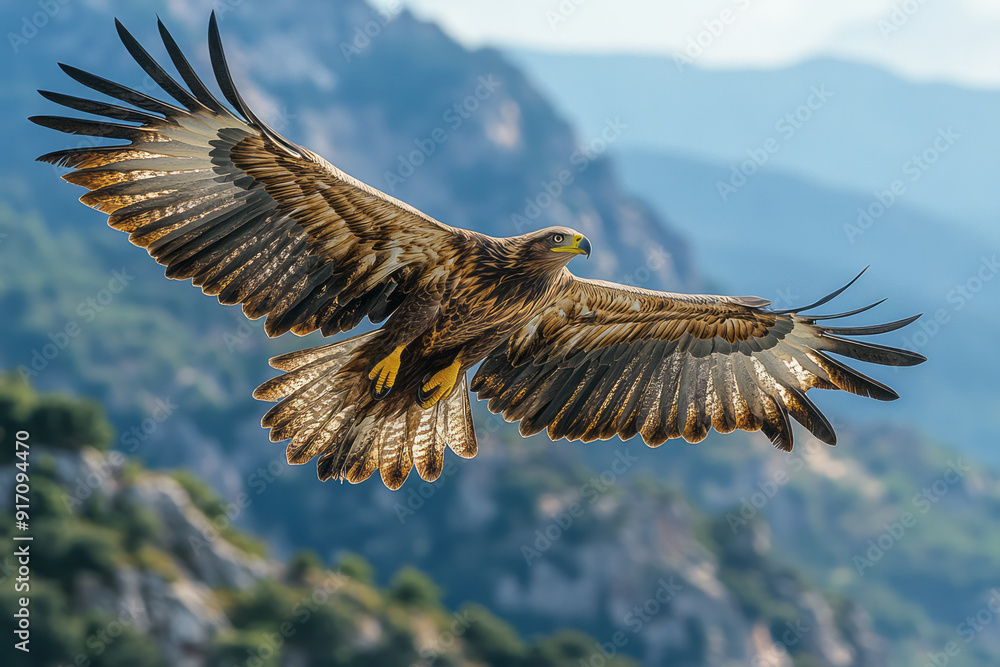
(207, 218)
(685, 381)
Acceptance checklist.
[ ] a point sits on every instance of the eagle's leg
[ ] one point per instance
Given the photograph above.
(384, 373)
(411, 319)
(439, 385)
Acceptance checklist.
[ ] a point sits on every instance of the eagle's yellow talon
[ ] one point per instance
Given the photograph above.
(441, 383)
(386, 370)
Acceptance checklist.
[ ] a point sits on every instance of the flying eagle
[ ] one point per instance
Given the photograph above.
(222, 199)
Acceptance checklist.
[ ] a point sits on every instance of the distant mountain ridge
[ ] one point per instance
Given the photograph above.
(870, 125)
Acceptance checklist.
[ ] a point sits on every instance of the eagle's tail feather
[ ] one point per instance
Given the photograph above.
(413, 438)
(327, 412)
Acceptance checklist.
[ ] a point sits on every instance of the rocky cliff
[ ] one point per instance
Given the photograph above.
(152, 557)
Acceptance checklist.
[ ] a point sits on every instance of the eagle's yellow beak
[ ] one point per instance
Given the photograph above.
(579, 245)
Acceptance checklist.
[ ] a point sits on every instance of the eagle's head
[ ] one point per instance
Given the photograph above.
(555, 246)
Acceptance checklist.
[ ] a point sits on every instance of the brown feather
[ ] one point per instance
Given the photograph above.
(720, 362)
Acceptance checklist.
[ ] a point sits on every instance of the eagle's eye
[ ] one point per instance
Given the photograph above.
(558, 238)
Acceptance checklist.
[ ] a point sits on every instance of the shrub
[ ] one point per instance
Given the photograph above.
(267, 605)
(569, 649)
(356, 567)
(110, 643)
(56, 636)
(303, 563)
(413, 588)
(72, 546)
(138, 525)
(239, 647)
(492, 640)
(53, 419)
(325, 630)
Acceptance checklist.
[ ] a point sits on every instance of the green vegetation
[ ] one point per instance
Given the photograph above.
(412, 588)
(215, 509)
(57, 420)
(829, 513)
(356, 567)
(78, 541)
(318, 615)
(161, 340)
(491, 640)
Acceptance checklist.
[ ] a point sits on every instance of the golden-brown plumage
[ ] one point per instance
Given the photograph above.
(222, 199)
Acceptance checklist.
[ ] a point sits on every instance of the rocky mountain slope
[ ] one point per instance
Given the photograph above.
(127, 561)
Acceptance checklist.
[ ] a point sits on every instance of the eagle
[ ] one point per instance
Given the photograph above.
(220, 198)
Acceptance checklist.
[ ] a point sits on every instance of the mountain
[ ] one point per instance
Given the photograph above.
(89, 315)
(133, 567)
(792, 240)
(847, 126)
(461, 135)
(901, 525)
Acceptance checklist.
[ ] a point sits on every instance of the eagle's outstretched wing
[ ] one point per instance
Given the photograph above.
(606, 359)
(247, 215)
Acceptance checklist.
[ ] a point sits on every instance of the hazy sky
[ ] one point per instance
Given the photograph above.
(953, 40)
